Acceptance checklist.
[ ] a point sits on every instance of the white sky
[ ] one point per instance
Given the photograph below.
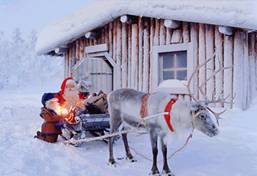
(34, 14)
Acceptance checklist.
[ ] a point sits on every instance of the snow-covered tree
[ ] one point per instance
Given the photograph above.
(20, 65)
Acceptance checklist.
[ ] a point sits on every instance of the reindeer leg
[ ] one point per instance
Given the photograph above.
(128, 153)
(166, 169)
(154, 139)
(111, 158)
(115, 122)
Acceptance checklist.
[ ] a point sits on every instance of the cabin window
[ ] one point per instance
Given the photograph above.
(172, 62)
(173, 65)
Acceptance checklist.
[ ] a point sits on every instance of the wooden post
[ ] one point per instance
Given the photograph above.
(252, 56)
(118, 54)
(151, 55)
(168, 35)
(228, 74)
(202, 55)
(110, 44)
(246, 72)
(146, 58)
(129, 57)
(210, 65)
(66, 57)
(185, 32)
(238, 69)
(156, 42)
(176, 36)
(194, 40)
(156, 33)
(134, 56)
(218, 62)
(124, 56)
(162, 33)
(140, 54)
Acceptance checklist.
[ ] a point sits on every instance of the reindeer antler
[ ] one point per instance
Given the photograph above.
(193, 74)
(206, 101)
(216, 114)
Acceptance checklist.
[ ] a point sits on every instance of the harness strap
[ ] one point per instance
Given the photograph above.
(144, 109)
(167, 116)
(167, 110)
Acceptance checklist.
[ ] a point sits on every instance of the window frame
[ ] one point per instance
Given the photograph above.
(157, 50)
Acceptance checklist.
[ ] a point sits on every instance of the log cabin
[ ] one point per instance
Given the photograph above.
(140, 44)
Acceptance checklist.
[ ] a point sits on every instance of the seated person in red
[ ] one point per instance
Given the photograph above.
(60, 109)
(69, 97)
(72, 101)
(49, 130)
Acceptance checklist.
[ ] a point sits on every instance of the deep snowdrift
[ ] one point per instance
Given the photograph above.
(232, 152)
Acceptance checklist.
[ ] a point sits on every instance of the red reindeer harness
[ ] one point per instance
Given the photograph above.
(168, 108)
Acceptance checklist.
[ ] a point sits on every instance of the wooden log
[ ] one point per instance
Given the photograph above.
(118, 54)
(151, 55)
(168, 35)
(252, 55)
(194, 40)
(82, 48)
(114, 54)
(124, 56)
(156, 42)
(218, 62)
(255, 49)
(210, 65)
(106, 35)
(176, 36)
(110, 43)
(140, 54)
(246, 72)
(69, 61)
(156, 33)
(162, 33)
(228, 74)
(202, 56)
(134, 56)
(185, 32)
(66, 57)
(129, 57)
(237, 69)
(146, 42)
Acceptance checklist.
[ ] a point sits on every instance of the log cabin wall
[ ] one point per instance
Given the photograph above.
(131, 46)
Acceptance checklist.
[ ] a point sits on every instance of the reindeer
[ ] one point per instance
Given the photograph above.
(128, 106)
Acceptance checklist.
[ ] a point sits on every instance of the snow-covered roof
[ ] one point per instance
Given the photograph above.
(235, 13)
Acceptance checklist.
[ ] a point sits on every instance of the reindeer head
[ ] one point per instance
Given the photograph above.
(202, 119)
(200, 109)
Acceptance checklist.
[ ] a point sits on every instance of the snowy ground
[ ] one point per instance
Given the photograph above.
(232, 152)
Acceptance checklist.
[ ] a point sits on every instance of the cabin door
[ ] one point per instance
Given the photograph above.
(100, 74)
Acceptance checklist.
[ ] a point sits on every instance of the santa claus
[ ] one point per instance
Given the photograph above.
(69, 97)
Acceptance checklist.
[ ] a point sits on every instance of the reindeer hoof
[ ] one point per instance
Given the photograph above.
(155, 172)
(131, 159)
(112, 162)
(167, 173)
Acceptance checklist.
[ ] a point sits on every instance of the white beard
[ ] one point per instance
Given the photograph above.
(71, 98)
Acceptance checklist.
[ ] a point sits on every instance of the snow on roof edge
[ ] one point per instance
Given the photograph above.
(239, 14)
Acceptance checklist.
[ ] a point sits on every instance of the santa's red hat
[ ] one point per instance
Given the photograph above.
(64, 83)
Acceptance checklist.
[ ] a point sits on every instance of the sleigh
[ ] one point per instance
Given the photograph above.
(96, 124)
